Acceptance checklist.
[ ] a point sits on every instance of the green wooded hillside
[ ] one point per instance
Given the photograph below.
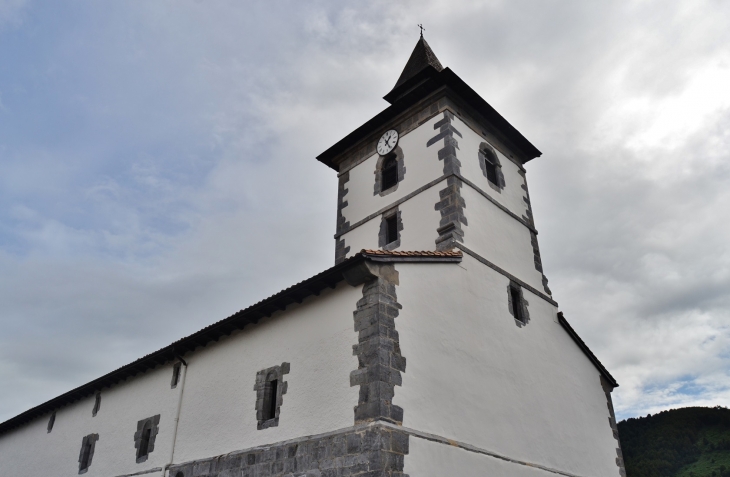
(688, 442)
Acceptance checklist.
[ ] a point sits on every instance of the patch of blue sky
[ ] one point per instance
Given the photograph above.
(690, 388)
(666, 395)
(96, 137)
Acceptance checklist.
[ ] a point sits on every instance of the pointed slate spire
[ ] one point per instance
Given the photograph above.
(422, 57)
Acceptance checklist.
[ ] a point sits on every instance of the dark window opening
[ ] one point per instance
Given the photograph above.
(390, 171)
(97, 404)
(144, 442)
(270, 399)
(391, 229)
(85, 454)
(145, 436)
(270, 388)
(179, 474)
(490, 166)
(517, 304)
(175, 375)
(51, 421)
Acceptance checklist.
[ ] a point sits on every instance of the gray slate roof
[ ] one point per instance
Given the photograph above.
(422, 57)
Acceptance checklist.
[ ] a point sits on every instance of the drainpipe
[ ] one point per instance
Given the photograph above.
(181, 384)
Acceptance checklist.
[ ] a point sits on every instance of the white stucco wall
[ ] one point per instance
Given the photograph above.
(421, 163)
(31, 451)
(420, 221)
(363, 237)
(473, 376)
(218, 408)
(218, 412)
(432, 459)
(499, 238)
(512, 194)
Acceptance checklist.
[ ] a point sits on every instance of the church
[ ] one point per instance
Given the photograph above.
(432, 347)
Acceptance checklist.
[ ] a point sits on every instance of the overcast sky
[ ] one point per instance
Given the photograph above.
(158, 172)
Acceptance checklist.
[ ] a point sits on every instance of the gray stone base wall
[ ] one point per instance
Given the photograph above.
(366, 451)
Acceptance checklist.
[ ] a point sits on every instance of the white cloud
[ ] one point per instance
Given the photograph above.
(158, 183)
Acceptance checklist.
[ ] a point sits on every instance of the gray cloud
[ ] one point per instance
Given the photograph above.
(157, 170)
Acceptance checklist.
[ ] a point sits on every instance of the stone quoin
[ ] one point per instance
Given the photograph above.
(432, 347)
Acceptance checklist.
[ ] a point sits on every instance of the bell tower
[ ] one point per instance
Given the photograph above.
(438, 169)
(491, 360)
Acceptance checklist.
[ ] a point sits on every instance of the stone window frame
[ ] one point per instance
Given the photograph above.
(154, 426)
(484, 147)
(515, 288)
(383, 232)
(87, 442)
(176, 368)
(97, 405)
(51, 422)
(401, 170)
(263, 378)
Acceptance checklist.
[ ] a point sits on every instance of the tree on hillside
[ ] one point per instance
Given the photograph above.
(662, 444)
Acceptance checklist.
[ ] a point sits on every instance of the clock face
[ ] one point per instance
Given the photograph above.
(387, 142)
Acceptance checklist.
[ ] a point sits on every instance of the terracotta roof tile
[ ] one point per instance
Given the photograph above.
(412, 253)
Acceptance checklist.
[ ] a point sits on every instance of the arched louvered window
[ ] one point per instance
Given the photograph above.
(491, 165)
(390, 171)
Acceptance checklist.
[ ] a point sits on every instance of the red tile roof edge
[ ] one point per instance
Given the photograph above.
(412, 253)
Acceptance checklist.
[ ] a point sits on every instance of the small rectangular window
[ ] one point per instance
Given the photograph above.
(516, 297)
(144, 443)
(97, 404)
(85, 454)
(175, 375)
(391, 229)
(144, 438)
(51, 421)
(270, 388)
(271, 404)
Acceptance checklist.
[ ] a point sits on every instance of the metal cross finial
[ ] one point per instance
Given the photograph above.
(422, 29)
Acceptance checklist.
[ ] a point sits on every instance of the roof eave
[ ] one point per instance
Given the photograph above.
(265, 308)
(296, 293)
(584, 347)
(417, 88)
